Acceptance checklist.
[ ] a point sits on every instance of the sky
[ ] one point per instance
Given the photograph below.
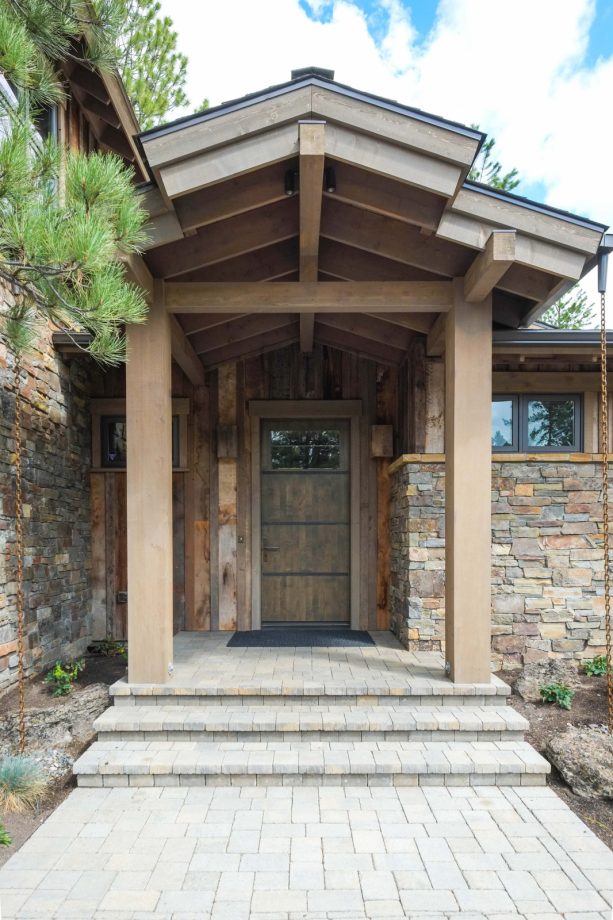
(537, 75)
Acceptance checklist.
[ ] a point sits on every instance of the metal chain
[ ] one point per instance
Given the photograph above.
(604, 446)
(19, 550)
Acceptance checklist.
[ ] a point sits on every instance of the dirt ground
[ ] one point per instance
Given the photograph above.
(98, 669)
(589, 707)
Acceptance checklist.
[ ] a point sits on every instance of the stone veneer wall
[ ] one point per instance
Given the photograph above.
(547, 571)
(56, 470)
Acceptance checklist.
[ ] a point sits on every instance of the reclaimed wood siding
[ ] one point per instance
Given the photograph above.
(212, 497)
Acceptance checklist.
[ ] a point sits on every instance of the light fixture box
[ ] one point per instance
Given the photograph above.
(381, 440)
(227, 442)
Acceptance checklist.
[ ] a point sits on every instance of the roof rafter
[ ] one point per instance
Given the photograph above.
(311, 177)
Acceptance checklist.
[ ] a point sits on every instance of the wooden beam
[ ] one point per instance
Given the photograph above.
(399, 127)
(401, 163)
(541, 254)
(89, 81)
(198, 322)
(149, 496)
(490, 265)
(468, 472)
(311, 172)
(117, 142)
(417, 322)
(435, 345)
(357, 345)
(238, 195)
(238, 330)
(349, 263)
(162, 229)
(491, 209)
(318, 297)
(386, 196)
(392, 239)
(184, 354)
(210, 132)
(101, 110)
(137, 272)
(368, 326)
(242, 156)
(258, 345)
(227, 239)
(264, 264)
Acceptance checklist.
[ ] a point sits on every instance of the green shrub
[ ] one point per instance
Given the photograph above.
(596, 667)
(63, 676)
(110, 648)
(557, 693)
(5, 838)
(22, 783)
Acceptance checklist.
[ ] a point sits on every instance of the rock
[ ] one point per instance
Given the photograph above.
(57, 726)
(54, 763)
(551, 671)
(584, 757)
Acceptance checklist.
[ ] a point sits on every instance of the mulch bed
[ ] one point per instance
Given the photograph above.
(546, 720)
(98, 669)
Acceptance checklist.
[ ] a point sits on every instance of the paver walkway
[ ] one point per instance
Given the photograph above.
(297, 853)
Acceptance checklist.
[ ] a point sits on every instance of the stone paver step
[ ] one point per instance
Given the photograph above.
(428, 689)
(318, 763)
(359, 722)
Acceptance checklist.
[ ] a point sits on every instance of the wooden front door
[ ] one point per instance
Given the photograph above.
(306, 521)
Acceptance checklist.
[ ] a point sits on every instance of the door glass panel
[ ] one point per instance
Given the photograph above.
(551, 422)
(305, 450)
(502, 423)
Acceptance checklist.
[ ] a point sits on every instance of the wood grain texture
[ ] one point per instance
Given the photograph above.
(98, 537)
(226, 515)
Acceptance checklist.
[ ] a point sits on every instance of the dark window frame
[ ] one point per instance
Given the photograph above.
(107, 420)
(513, 398)
(520, 423)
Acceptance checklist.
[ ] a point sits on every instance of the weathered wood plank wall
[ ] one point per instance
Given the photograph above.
(212, 498)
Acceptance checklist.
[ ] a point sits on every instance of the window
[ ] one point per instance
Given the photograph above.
(110, 434)
(114, 445)
(305, 450)
(535, 422)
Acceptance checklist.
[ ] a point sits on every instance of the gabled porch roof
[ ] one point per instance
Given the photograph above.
(312, 181)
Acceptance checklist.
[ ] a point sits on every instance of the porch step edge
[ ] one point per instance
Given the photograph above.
(338, 719)
(126, 760)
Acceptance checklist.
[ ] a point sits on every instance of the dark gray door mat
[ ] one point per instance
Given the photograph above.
(300, 637)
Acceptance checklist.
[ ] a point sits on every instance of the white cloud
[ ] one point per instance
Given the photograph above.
(517, 69)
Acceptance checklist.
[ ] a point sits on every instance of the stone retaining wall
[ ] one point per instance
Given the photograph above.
(547, 572)
(56, 462)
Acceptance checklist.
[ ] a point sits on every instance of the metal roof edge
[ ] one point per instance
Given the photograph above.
(282, 88)
(531, 205)
(549, 337)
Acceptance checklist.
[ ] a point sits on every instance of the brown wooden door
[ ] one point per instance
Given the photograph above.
(305, 521)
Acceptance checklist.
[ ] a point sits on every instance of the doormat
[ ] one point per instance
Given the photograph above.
(300, 637)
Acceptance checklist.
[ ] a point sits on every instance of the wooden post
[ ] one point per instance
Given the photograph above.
(468, 379)
(149, 482)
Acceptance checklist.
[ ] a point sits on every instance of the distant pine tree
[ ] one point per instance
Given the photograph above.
(153, 70)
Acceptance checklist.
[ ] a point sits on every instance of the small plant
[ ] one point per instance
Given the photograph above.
(5, 837)
(110, 648)
(557, 693)
(596, 667)
(62, 676)
(22, 784)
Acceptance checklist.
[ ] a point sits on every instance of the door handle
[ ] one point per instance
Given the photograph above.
(270, 549)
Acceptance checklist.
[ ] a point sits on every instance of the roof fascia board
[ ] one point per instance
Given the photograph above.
(283, 88)
(529, 205)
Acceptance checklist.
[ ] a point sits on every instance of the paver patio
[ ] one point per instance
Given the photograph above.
(283, 853)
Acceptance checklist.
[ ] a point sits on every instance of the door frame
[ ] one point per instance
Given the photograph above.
(292, 410)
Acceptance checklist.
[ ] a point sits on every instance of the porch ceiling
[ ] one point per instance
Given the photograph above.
(396, 207)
